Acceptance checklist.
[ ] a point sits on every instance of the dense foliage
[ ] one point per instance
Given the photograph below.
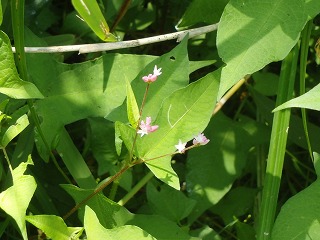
(215, 136)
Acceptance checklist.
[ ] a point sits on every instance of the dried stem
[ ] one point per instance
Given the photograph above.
(99, 47)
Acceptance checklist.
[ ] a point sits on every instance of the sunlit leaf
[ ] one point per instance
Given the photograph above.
(53, 226)
(132, 106)
(14, 130)
(10, 82)
(15, 200)
(183, 115)
(253, 33)
(310, 100)
(95, 230)
(90, 12)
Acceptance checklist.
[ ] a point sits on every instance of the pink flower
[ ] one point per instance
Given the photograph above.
(152, 77)
(146, 128)
(181, 146)
(200, 139)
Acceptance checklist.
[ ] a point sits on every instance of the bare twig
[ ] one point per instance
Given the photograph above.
(99, 47)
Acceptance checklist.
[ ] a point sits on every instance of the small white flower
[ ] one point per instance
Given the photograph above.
(181, 146)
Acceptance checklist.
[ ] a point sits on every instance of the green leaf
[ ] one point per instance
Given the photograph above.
(15, 200)
(74, 161)
(266, 83)
(95, 230)
(310, 100)
(202, 11)
(213, 168)
(132, 106)
(90, 12)
(228, 211)
(53, 226)
(14, 130)
(175, 75)
(10, 83)
(102, 144)
(253, 33)
(176, 209)
(158, 226)
(299, 216)
(182, 116)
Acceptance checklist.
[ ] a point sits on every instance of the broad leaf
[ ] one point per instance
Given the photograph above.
(299, 216)
(90, 12)
(176, 209)
(202, 11)
(95, 230)
(253, 33)
(53, 226)
(310, 100)
(158, 226)
(10, 82)
(212, 168)
(182, 116)
(15, 200)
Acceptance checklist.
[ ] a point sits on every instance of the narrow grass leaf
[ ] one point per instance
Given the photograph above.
(132, 106)
(90, 12)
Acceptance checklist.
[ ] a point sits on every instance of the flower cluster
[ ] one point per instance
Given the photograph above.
(146, 127)
(200, 139)
(152, 77)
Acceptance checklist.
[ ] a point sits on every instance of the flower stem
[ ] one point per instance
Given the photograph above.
(136, 188)
(97, 190)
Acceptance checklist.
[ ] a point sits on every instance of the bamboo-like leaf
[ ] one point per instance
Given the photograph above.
(90, 12)
(132, 106)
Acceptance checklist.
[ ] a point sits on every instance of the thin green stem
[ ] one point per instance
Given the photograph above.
(305, 37)
(277, 147)
(7, 158)
(113, 190)
(136, 188)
